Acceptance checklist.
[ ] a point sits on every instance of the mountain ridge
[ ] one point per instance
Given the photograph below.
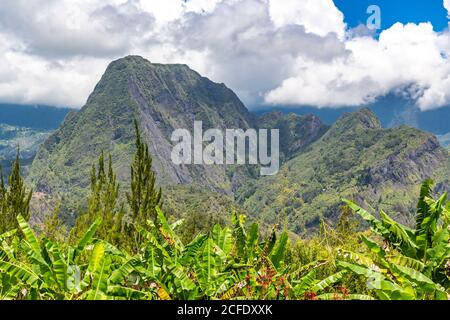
(320, 163)
(162, 98)
(356, 159)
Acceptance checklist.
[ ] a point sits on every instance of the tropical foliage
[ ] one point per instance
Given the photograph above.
(127, 248)
(14, 198)
(409, 263)
(226, 263)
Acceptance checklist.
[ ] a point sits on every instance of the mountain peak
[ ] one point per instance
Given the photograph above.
(134, 63)
(361, 119)
(128, 61)
(162, 98)
(132, 58)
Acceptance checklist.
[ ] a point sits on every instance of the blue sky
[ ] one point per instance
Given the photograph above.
(393, 11)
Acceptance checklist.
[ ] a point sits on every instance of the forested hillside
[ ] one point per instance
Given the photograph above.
(130, 250)
(355, 158)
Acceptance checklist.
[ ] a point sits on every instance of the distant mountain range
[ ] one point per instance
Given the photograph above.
(39, 117)
(355, 157)
(392, 110)
(26, 127)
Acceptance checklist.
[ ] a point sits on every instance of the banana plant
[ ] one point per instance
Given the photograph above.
(411, 263)
(227, 263)
(42, 269)
(232, 262)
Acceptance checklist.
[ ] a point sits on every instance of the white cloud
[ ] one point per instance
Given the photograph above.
(164, 11)
(404, 55)
(447, 6)
(81, 37)
(252, 54)
(66, 28)
(317, 16)
(32, 80)
(201, 6)
(277, 51)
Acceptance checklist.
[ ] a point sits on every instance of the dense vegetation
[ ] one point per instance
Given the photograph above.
(356, 156)
(125, 247)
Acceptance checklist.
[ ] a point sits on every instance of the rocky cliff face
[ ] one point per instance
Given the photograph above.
(411, 167)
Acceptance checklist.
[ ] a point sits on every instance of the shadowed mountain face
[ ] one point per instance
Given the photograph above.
(354, 158)
(296, 132)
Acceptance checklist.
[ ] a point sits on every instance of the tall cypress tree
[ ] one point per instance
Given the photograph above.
(144, 196)
(102, 203)
(15, 198)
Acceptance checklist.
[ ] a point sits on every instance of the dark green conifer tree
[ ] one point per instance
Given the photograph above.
(14, 198)
(144, 196)
(103, 203)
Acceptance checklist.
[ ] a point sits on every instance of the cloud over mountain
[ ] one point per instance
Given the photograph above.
(412, 58)
(272, 51)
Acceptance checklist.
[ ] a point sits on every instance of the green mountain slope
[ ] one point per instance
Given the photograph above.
(296, 132)
(357, 159)
(27, 139)
(162, 98)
